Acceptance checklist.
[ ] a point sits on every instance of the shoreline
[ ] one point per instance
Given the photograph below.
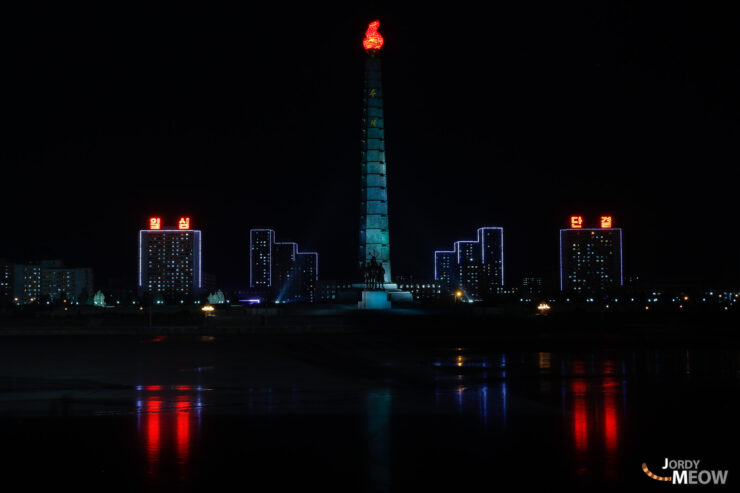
(489, 323)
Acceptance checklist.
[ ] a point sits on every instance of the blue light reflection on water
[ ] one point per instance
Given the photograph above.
(584, 410)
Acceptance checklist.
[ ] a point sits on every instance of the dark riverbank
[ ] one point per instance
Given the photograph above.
(494, 323)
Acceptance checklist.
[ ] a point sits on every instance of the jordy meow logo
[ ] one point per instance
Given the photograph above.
(686, 472)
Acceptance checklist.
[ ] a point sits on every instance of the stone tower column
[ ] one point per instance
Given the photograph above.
(374, 237)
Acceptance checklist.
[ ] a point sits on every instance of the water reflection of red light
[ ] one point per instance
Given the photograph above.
(609, 390)
(166, 423)
(578, 387)
(580, 416)
(153, 443)
(595, 420)
(611, 425)
(183, 430)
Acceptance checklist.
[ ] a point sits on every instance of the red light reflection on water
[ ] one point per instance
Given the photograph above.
(167, 418)
(609, 389)
(611, 425)
(580, 415)
(595, 418)
(184, 417)
(153, 445)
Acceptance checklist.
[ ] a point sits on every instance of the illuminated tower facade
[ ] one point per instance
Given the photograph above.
(590, 258)
(170, 260)
(374, 237)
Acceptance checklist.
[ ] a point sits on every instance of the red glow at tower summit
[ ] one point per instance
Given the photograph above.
(373, 40)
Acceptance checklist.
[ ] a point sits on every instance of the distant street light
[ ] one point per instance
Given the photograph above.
(208, 310)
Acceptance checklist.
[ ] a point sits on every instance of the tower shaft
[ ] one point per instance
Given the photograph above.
(374, 237)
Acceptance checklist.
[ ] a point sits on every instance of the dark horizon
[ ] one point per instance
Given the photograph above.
(517, 117)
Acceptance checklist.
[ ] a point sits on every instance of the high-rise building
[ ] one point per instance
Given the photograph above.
(170, 260)
(590, 258)
(307, 275)
(474, 267)
(445, 270)
(492, 258)
(49, 278)
(260, 257)
(58, 281)
(289, 274)
(27, 283)
(374, 236)
(6, 278)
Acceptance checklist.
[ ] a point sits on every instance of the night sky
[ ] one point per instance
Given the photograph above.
(516, 116)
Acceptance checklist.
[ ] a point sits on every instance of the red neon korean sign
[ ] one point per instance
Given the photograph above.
(576, 222)
(183, 223)
(606, 221)
(155, 223)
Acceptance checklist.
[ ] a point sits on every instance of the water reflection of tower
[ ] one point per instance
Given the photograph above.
(378, 438)
(168, 419)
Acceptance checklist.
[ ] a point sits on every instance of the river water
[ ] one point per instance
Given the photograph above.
(358, 413)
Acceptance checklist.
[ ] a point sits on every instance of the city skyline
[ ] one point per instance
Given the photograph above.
(198, 201)
(549, 130)
(279, 270)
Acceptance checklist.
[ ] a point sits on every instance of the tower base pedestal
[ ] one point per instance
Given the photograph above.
(374, 300)
(382, 299)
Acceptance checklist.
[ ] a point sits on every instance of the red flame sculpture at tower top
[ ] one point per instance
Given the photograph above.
(373, 40)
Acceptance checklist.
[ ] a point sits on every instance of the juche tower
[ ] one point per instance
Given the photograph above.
(374, 237)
